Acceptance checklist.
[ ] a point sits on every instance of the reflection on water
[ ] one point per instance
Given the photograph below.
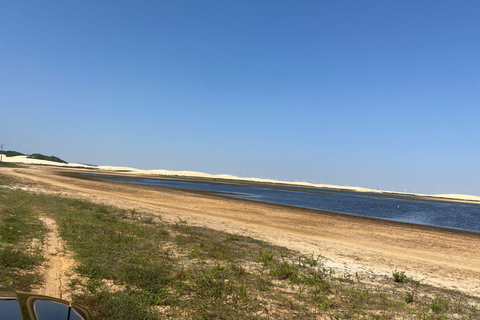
(463, 216)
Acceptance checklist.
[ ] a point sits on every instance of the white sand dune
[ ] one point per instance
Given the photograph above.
(458, 197)
(159, 172)
(25, 160)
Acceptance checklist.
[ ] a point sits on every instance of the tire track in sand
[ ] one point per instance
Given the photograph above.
(58, 265)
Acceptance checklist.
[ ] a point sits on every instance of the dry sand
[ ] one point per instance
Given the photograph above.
(440, 257)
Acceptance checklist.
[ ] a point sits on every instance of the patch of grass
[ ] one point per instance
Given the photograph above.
(440, 305)
(10, 165)
(213, 282)
(267, 258)
(15, 258)
(285, 270)
(128, 305)
(20, 230)
(17, 268)
(409, 297)
(311, 260)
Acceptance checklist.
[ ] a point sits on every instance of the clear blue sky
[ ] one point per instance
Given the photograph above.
(382, 94)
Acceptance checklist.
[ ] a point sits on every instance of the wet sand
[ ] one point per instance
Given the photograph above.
(440, 257)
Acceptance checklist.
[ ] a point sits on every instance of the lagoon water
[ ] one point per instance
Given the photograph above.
(445, 214)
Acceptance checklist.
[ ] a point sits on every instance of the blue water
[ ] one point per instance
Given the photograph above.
(445, 214)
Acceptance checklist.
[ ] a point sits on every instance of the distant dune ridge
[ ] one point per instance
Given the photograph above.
(128, 170)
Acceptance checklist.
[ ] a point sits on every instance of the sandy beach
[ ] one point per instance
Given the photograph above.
(440, 257)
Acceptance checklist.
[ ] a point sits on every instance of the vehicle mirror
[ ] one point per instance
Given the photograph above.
(10, 309)
(16, 305)
(50, 310)
(77, 314)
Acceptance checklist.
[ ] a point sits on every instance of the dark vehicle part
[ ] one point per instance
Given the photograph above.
(16, 305)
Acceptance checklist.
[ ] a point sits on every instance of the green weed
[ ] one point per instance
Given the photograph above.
(399, 276)
(409, 297)
(19, 228)
(439, 305)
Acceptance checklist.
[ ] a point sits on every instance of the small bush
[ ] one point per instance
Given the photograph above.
(306, 261)
(266, 258)
(399, 276)
(439, 305)
(285, 270)
(409, 297)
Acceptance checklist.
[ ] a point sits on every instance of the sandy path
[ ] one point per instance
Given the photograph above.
(443, 258)
(57, 269)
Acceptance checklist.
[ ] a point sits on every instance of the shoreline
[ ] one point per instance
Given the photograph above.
(226, 178)
(443, 258)
(78, 175)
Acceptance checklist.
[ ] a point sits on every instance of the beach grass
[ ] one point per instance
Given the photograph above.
(21, 238)
(10, 165)
(132, 265)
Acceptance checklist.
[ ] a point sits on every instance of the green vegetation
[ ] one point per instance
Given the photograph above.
(12, 153)
(132, 265)
(10, 165)
(39, 156)
(21, 236)
(399, 276)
